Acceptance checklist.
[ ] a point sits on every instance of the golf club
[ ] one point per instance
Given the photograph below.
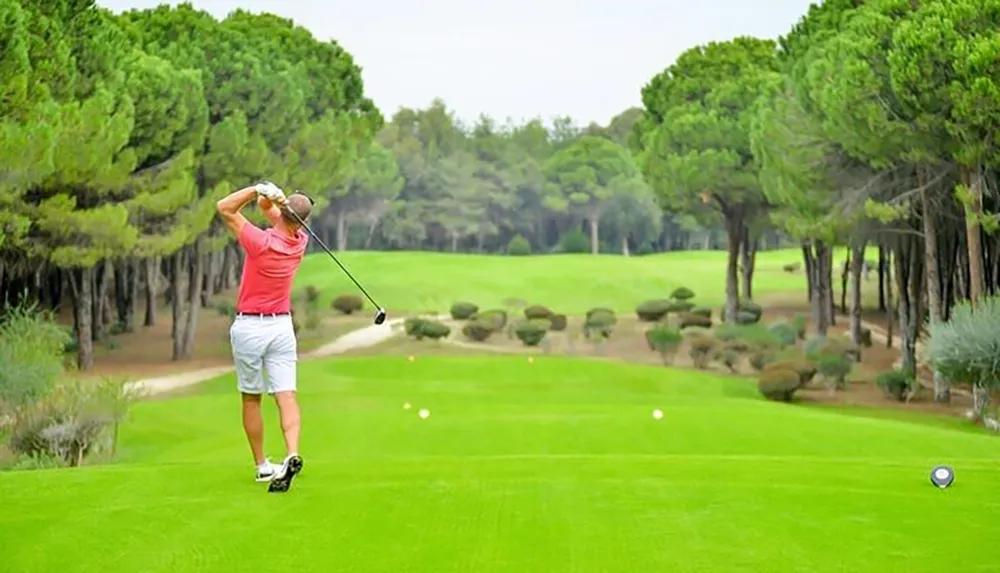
(380, 313)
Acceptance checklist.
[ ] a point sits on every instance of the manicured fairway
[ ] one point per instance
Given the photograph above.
(425, 281)
(549, 467)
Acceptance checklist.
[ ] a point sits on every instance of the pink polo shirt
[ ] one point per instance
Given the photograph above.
(269, 267)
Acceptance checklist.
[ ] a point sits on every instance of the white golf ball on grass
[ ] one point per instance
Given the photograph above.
(657, 414)
(406, 406)
(424, 413)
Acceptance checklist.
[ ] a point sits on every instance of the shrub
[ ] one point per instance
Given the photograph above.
(311, 293)
(599, 325)
(226, 308)
(754, 336)
(478, 330)
(799, 322)
(599, 310)
(463, 310)
(74, 420)
(432, 329)
(664, 340)
(537, 311)
(760, 359)
(831, 345)
(347, 303)
(574, 241)
(965, 349)
(701, 311)
(785, 333)
(688, 320)
(653, 310)
(834, 368)
(530, 332)
(701, 350)
(866, 337)
(518, 246)
(682, 294)
(743, 317)
(778, 385)
(792, 267)
(497, 317)
(31, 354)
(729, 358)
(411, 326)
(558, 322)
(752, 310)
(681, 306)
(896, 384)
(805, 369)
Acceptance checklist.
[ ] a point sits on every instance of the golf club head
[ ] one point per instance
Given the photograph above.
(380, 316)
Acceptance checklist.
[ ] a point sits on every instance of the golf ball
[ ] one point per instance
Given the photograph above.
(412, 358)
(657, 414)
(531, 359)
(406, 406)
(424, 413)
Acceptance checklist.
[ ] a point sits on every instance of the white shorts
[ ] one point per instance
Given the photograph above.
(265, 353)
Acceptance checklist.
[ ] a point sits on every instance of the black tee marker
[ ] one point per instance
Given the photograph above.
(942, 476)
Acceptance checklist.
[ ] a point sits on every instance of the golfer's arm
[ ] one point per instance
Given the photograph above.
(269, 209)
(229, 208)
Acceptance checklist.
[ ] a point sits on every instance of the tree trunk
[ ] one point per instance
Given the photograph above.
(831, 310)
(341, 222)
(809, 264)
(857, 265)
(748, 258)
(973, 210)
(127, 293)
(882, 268)
(81, 282)
(980, 400)
(196, 274)
(891, 306)
(178, 302)
(371, 234)
(821, 288)
(595, 244)
(734, 234)
(152, 265)
(208, 287)
(102, 276)
(845, 273)
(942, 391)
(625, 251)
(908, 284)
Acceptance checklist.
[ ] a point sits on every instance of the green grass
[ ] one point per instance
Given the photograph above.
(426, 281)
(552, 466)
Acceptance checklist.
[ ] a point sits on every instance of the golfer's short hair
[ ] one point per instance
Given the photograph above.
(300, 204)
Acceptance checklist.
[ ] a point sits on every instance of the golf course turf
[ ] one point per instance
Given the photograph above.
(555, 465)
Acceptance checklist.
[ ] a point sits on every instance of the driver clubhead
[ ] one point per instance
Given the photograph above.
(380, 316)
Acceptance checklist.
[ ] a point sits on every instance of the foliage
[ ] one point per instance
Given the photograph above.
(835, 368)
(701, 311)
(599, 325)
(786, 332)
(537, 311)
(558, 322)
(574, 241)
(518, 246)
(730, 358)
(694, 320)
(479, 330)
(761, 358)
(778, 384)
(347, 303)
(804, 368)
(664, 340)
(799, 322)
(531, 332)
(702, 349)
(966, 348)
(31, 354)
(682, 294)
(425, 328)
(496, 317)
(412, 325)
(896, 384)
(653, 310)
(463, 310)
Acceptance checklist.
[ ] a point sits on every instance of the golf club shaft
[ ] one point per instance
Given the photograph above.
(332, 256)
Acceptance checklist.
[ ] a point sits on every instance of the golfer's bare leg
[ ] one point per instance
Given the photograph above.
(253, 425)
(288, 407)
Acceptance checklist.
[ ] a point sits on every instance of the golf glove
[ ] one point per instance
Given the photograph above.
(271, 191)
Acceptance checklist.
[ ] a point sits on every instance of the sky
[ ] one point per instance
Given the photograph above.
(517, 59)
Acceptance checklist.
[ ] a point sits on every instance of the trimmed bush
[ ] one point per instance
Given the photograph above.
(835, 368)
(729, 358)
(347, 303)
(778, 385)
(792, 267)
(518, 246)
(537, 311)
(432, 329)
(531, 333)
(799, 322)
(701, 311)
(833, 345)
(653, 310)
(701, 351)
(497, 317)
(785, 332)
(896, 384)
(599, 310)
(478, 330)
(755, 336)
(311, 293)
(31, 354)
(412, 325)
(682, 294)
(575, 241)
(664, 340)
(866, 337)
(745, 318)
(804, 368)
(599, 325)
(744, 306)
(463, 310)
(760, 359)
(689, 320)
(558, 322)
(681, 306)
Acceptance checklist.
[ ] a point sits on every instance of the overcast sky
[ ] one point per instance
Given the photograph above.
(516, 58)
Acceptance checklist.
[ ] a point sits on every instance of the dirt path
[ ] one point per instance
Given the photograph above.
(361, 338)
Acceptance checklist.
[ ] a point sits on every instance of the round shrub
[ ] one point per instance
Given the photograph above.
(785, 333)
(835, 368)
(412, 325)
(895, 383)
(311, 293)
(755, 336)
(689, 320)
(662, 338)
(832, 345)
(682, 294)
(518, 246)
(347, 303)
(530, 332)
(736, 345)
(701, 350)
(866, 337)
(653, 310)
(681, 306)
(778, 385)
(760, 359)
(805, 369)
(537, 311)
(792, 267)
(799, 322)
(701, 311)
(478, 330)
(497, 317)
(574, 241)
(599, 310)
(558, 322)
(729, 358)
(599, 324)
(433, 329)
(743, 317)
(750, 306)
(463, 310)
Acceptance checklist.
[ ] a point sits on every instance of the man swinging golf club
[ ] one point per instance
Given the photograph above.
(265, 350)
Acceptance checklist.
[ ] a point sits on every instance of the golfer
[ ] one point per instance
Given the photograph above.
(265, 350)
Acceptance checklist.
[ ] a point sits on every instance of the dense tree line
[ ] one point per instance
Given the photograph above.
(868, 124)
